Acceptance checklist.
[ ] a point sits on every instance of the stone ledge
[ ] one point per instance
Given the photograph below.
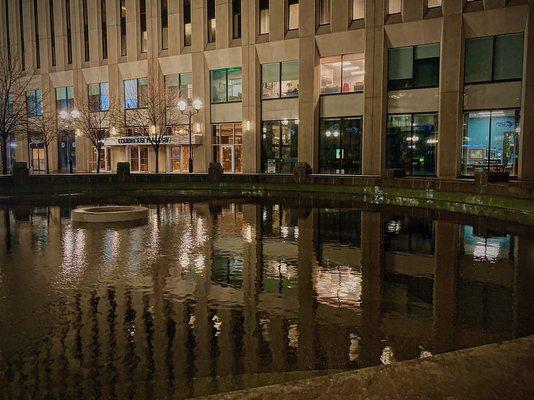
(495, 371)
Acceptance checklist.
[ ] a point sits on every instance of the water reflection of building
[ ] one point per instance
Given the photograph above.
(233, 291)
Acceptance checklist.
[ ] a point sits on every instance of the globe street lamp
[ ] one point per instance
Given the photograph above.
(68, 117)
(189, 110)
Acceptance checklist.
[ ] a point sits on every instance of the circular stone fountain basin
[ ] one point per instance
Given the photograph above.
(109, 214)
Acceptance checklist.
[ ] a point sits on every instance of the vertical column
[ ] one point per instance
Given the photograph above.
(339, 15)
(526, 144)
(309, 93)
(223, 17)
(445, 280)
(413, 10)
(451, 90)
(132, 29)
(277, 27)
(306, 280)
(524, 281)
(251, 285)
(373, 147)
(175, 27)
(201, 84)
(251, 89)
(372, 283)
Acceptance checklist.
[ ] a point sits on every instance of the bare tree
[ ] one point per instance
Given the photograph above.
(14, 82)
(42, 125)
(95, 120)
(154, 115)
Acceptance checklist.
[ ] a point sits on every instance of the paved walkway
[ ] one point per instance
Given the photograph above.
(503, 371)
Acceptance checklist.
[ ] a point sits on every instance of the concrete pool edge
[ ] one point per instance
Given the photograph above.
(498, 370)
(520, 210)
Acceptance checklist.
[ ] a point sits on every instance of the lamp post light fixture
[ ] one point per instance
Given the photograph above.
(190, 109)
(68, 117)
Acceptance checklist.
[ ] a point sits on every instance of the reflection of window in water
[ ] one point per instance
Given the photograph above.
(280, 277)
(340, 226)
(227, 269)
(411, 235)
(338, 286)
(388, 356)
(487, 247)
(279, 221)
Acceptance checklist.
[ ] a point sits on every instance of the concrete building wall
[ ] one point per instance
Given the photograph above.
(449, 25)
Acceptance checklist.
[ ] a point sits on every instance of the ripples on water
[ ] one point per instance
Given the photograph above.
(210, 298)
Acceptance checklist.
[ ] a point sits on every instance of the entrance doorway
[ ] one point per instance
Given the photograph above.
(67, 152)
(179, 159)
(138, 158)
(38, 159)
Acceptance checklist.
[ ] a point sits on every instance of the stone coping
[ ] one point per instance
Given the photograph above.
(495, 371)
(109, 214)
(513, 201)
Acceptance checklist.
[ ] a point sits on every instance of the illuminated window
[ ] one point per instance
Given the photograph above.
(226, 85)
(342, 74)
(181, 85)
(123, 27)
(99, 96)
(135, 93)
(324, 12)
(293, 14)
(187, 22)
(143, 26)
(358, 9)
(212, 22)
(280, 80)
(164, 25)
(264, 17)
(236, 19)
(394, 6)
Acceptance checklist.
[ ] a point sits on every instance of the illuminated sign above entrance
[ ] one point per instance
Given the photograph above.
(175, 140)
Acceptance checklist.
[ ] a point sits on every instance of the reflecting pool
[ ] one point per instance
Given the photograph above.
(218, 296)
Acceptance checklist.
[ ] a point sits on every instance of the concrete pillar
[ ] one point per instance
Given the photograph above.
(251, 91)
(524, 281)
(201, 85)
(308, 140)
(445, 281)
(372, 284)
(413, 10)
(373, 140)
(340, 14)
(306, 285)
(526, 143)
(451, 91)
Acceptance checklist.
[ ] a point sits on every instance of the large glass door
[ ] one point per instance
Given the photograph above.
(227, 147)
(38, 159)
(67, 152)
(138, 157)
(340, 146)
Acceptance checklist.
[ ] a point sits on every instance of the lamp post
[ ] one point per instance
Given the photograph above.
(68, 117)
(190, 110)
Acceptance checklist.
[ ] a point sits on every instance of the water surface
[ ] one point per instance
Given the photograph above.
(212, 297)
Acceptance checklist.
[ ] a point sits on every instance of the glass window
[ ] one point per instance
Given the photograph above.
(226, 85)
(180, 84)
(143, 26)
(433, 3)
(293, 14)
(34, 102)
(358, 9)
(99, 96)
(68, 25)
(413, 67)
(340, 145)
(494, 58)
(52, 31)
(411, 143)
(235, 88)
(324, 12)
(211, 21)
(36, 33)
(164, 25)
(227, 146)
(264, 17)
(270, 81)
(342, 74)
(187, 22)
(290, 79)
(135, 93)
(478, 60)
(394, 6)
(279, 146)
(508, 57)
(85, 18)
(491, 141)
(104, 29)
(65, 99)
(280, 80)
(123, 27)
(236, 19)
